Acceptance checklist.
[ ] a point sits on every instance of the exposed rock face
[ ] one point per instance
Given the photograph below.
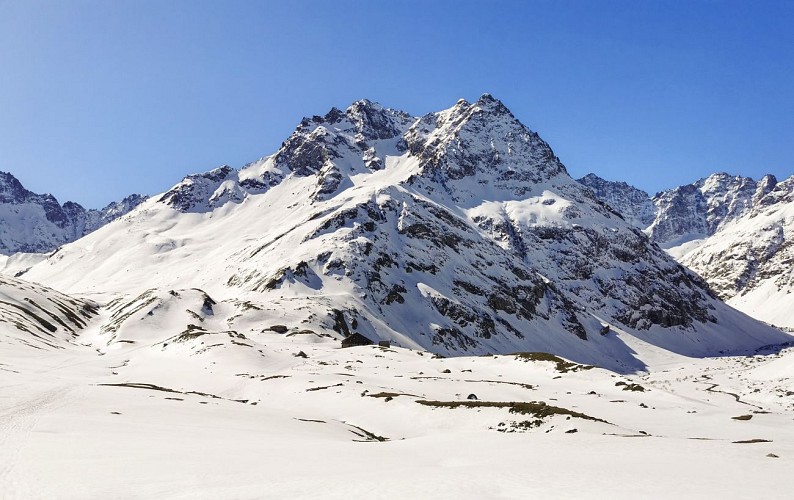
(633, 204)
(37, 316)
(321, 147)
(117, 209)
(700, 209)
(681, 216)
(37, 223)
(687, 212)
(482, 140)
(202, 192)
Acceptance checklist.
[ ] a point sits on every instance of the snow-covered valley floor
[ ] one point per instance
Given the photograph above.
(295, 416)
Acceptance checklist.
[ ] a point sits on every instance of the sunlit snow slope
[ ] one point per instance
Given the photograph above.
(138, 405)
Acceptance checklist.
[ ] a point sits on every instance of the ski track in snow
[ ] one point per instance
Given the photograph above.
(16, 424)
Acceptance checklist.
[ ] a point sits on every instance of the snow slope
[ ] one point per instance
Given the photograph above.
(40, 317)
(275, 413)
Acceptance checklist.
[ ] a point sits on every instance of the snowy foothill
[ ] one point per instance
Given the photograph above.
(289, 413)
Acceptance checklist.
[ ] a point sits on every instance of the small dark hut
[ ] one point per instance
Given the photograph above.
(355, 339)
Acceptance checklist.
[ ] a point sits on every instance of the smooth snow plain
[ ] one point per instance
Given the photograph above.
(224, 416)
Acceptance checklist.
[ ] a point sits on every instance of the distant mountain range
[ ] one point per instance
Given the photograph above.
(734, 231)
(37, 223)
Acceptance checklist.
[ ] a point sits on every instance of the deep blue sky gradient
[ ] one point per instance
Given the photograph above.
(102, 98)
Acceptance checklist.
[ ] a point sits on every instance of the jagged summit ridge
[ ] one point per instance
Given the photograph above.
(687, 212)
(748, 261)
(700, 209)
(482, 142)
(634, 204)
(471, 146)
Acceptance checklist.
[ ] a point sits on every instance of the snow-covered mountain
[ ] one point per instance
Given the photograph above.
(170, 401)
(684, 213)
(749, 261)
(699, 210)
(456, 232)
(733, 231)
(37, 223)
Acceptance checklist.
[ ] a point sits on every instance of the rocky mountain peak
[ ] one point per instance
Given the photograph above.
(480, 142)
(489, 104)
(700, 209)
(73, 210)
(765, 186)
(470, 146)
(770, 192)
(200, 192)
(459, 232)
(488, 98)
(748, 260)
(11, 189)
(727, 197)
(374, 122)
(732, 230)
(366, 119)
(12, 193)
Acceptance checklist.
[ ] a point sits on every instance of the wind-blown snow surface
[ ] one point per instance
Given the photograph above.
(131, 409)
(457, 232)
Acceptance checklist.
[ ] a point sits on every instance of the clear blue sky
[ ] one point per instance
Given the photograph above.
(101, 98)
